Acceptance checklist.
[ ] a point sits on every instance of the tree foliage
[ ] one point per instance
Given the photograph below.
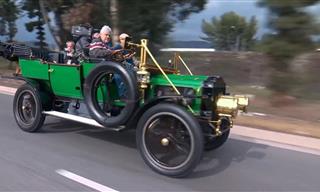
(140, 18)
(33, 10)
(292, 28)
(230, 32)
(9, 13)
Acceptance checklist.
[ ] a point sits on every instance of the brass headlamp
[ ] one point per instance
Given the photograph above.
(243, 102)
(229, 105)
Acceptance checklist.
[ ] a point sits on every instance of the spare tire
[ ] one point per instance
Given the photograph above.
(92, 83)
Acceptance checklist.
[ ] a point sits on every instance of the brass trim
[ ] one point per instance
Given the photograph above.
(185, 65)
(164, 74)
(243, 102)
(144, 50)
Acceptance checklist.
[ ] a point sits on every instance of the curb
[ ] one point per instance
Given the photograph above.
(278, 137)
(7, 90)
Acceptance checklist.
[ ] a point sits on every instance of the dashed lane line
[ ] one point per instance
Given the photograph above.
(84, 181)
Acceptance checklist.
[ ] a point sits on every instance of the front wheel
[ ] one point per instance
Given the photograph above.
(212, 143)
(27, 108)
(170, 140)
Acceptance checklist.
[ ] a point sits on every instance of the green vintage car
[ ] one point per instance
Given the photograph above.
(177, 117)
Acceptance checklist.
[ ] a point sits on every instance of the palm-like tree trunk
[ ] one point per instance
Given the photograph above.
(114, 9)
(54, 34)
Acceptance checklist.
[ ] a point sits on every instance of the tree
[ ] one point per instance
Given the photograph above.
(147, 19)
(141, 18)
(8, 15)
(230, 32)
(292, 28)
(33, 10)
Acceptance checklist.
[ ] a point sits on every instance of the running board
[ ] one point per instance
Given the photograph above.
(78, 118)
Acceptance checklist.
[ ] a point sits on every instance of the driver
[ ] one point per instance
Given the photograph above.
(121, 46)
(128, 64)
(98, 47)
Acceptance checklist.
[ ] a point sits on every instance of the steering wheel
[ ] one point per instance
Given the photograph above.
(121, 55)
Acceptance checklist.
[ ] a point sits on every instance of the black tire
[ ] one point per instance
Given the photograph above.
(212, 143)
(215, 143)
(27, 108)
(96, 112)
(182, 146)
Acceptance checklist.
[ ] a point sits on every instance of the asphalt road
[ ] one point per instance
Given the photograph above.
(29, 162)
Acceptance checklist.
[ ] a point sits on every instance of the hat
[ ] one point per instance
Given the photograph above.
(106, 29)
(123, 36)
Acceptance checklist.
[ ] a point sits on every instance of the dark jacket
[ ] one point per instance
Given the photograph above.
(81, 45)
(98, 49)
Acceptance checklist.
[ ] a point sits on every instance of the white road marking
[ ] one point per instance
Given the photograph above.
(84, 181)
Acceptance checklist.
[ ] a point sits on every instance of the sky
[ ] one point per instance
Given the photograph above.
(190, 29)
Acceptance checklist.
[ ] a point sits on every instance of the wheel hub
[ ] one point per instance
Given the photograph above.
(165, 142)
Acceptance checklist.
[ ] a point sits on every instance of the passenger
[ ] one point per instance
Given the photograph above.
(95, 36)
(98, 47)
(83, 42)
(70, 53)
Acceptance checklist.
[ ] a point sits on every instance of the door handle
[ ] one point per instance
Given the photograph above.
(50, 70)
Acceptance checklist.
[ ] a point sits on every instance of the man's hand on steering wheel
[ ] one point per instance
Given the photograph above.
(120, 56)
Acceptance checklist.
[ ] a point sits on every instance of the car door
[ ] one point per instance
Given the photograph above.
(65, 80)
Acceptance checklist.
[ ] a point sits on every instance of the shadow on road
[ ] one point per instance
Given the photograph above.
(125, 138)
(234, 151)
(213, 162)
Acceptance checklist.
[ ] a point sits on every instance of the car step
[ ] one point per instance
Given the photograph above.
(79, 119)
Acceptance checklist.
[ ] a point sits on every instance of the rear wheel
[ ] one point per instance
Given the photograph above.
(27, 108)
(170, 140)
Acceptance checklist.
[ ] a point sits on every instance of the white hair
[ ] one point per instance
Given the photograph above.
(106, 29)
